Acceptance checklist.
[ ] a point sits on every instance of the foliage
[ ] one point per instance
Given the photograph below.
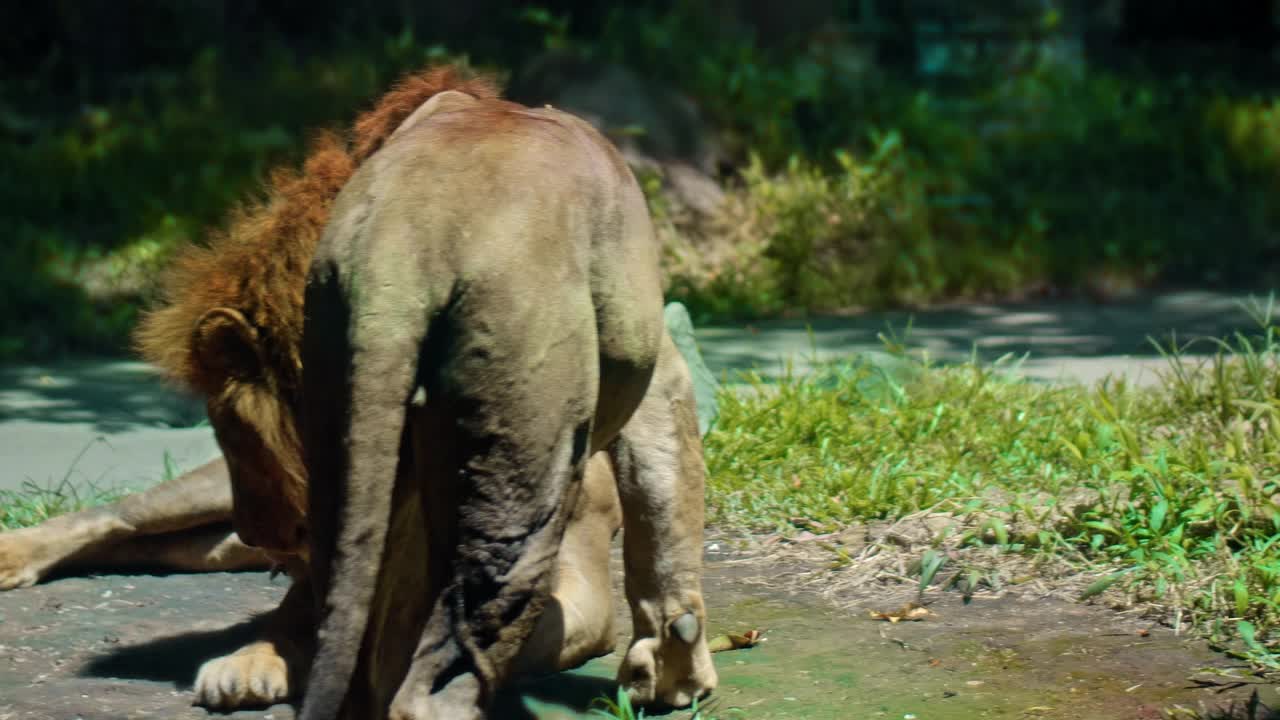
(862, 235)
(94, 202)
(32, 504)
(1171, 490)
(1021, 175)
(1028, 173)
(620, 708)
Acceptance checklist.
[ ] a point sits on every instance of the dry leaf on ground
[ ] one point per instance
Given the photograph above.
(730, 641)
(911, 611)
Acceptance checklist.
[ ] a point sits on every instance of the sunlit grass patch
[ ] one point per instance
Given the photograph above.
(1167, 495)
(33, 502)
(620, 708)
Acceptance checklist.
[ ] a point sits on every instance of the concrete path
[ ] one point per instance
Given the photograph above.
(1072, 341)
(113, 424)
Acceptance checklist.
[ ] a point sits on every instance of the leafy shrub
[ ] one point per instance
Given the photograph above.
(1040, 171)
(872, 233)
(94, 201)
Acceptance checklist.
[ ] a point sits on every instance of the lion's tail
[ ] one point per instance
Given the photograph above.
(358, 382)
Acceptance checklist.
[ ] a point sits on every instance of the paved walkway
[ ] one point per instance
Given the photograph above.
(113, 424)
(1079, 341)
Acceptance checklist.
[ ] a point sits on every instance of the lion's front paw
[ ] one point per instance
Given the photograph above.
(673, 670)
(25, 558)
(254, 676)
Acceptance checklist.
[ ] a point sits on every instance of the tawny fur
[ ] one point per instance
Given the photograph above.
(258, 264)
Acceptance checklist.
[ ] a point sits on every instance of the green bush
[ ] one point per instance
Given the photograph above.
(1037, 172)
(869, 188)
(93, 202)
(870, 233)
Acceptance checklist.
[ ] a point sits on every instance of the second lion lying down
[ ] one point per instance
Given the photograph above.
(518, 335)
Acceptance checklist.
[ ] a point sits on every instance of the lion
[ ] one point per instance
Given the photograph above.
(483, 313)
(231, 328)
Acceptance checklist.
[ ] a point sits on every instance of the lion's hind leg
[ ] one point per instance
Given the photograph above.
(517, 408)
(658, 461)
(578, 622)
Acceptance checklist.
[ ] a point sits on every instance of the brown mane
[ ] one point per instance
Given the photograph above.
(258, 264)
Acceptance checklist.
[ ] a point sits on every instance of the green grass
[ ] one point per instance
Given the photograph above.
(1169, 493)
(620, 708)
(33, 503)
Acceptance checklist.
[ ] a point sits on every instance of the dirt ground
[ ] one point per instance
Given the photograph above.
(119, 646)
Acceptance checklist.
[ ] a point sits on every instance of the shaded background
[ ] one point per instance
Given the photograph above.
(801, 157)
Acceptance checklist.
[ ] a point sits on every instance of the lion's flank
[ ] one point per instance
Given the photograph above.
(258, 263)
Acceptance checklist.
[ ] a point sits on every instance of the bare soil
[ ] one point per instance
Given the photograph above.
(121, 646)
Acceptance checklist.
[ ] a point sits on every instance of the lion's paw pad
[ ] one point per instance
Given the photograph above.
(245, 679)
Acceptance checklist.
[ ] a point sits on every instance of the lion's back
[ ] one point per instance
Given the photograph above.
(482, 183)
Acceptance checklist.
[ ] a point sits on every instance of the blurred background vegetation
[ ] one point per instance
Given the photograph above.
(800, 157)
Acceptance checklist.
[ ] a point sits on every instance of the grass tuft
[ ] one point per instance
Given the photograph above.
(33, 503)
(620, 708)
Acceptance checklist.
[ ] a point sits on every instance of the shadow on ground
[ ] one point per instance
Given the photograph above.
(172, 659)
(113, 396)
(1049, 331)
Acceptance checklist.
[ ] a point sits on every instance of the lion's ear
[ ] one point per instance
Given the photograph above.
(226, 344)
(441, 102)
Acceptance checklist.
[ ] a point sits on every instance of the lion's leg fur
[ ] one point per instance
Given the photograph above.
(99, 538)
(509, 519)
(207, 548)
(658, 461)
(496, 407)
(577, 623)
